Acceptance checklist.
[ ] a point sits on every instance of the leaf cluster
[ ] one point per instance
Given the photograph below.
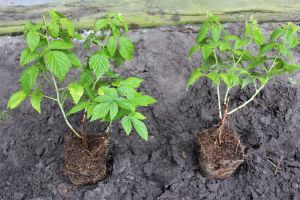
(100, 92)
(251, 59)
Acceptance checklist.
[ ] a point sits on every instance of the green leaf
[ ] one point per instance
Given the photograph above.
(113, 111)
(290, 68)
(53, 29)
(131, 82)
(15, 99)
(27, 56)
(266, 48)
(75, 61)
(126, 48)
(60, 44)
(76, 91)
(28, 78)
(100, 24)
(283, 49)
(206, 51)
(258, 36)
(137, 115)
(33, 39)
(196, 74)
(55, 16)
(68, 25)
(58, 63)
(240, 43)
(112, 44)
(276, 33)
(100, 111)
(86, 78)
(127, 125)
(90, 110)
(214, 77)
(202, 33)
(80, 106)
(192, 50)
(143, 100)
(216, 32)
(246, 82)
(99, 63)
(36, 99)
(140, 128)
(125, 104)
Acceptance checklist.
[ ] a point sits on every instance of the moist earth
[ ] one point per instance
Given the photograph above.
(165, 167)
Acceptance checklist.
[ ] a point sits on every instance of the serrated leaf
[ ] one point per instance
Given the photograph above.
(137, 115)
(36, 99)
(27, 56)
(192, 50)
(99, 64)
(140, 128)
(276, 33)
(246, 82)
(79, 107)
(86, 78)
(100, 111)
(53, 29)
(214, 77)
(196, 74)
(68, 25)
(28, 78)
(216, 32)
(290, 68)
(259, 38)
(125, 104)
(33, 39)
(100, 24)
(266, 48)
(76, 90)
(126, 48)
(75, 61)
(112, 44)
(58, 63)
(131, 82)
(206, 51)
(60, 44)
(113, 111)
(127, 125)
(16, 99)
(283, 49)
(202, 33)
(143, 100)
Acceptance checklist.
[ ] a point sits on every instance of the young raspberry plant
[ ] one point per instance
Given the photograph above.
(99, 91)
(106, 95)
(229, 62)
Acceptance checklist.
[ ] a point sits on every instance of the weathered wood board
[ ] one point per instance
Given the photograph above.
(147, 13)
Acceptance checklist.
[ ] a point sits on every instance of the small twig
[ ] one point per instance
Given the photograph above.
(237, 146)
(278, 165)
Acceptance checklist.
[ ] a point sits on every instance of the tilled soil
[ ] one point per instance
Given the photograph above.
(165, 167)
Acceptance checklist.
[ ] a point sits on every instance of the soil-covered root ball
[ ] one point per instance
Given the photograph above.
(85, 159)
(219, 160)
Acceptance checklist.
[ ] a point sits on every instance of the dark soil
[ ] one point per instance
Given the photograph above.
(219, 159)
(85, 159)
(166, 167)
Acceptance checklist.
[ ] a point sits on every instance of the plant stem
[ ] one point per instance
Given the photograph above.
(226, 95)
(108, 127)
(219, 101)
(62, 109)
(50, 98)
(256, 92)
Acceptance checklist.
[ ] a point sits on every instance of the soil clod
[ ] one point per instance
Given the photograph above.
(219, 160)
(85, 159)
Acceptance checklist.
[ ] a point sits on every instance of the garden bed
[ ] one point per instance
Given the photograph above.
(165, 167)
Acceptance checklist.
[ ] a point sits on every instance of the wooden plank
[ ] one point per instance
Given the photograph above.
(148, 13)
